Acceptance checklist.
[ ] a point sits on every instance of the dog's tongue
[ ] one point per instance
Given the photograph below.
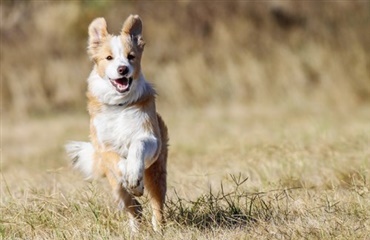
(121, 83)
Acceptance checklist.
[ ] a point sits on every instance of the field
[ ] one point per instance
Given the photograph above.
(268, 116)
(306, 176)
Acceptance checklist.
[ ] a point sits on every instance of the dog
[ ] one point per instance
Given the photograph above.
(128, 138)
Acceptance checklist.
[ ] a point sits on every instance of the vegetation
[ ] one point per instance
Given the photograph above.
(247, 173)
(267, 105)
(225, 53)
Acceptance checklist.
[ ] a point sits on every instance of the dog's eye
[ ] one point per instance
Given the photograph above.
(130, 57)
(109, 57)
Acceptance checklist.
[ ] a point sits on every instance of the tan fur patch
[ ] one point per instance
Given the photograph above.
(100, 57)
(94, 105)
(131, 47)
(131, 36)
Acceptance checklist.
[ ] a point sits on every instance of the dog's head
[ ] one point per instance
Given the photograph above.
(117, 58)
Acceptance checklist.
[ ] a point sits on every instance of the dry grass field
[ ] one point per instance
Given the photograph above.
(306, 176)
(267, 105)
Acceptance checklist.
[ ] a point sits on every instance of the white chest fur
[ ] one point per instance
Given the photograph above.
(117, 127)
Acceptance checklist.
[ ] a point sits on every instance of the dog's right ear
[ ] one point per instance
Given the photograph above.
(97, 33)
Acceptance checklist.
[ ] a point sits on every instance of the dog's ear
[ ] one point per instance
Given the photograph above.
(133, 27)
(97, 33)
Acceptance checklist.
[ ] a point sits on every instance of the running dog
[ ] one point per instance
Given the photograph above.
(128, 138)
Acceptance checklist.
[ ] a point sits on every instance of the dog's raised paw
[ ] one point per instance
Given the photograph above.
(132, 179)
(134, 185)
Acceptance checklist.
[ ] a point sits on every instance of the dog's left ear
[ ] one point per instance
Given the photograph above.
(133, 26)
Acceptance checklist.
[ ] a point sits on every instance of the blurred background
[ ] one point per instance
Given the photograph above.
(276, 92)
(301, 53)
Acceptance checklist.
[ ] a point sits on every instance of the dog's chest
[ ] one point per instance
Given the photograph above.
(116, 127)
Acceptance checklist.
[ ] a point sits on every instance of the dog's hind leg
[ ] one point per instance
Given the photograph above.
(155, 183)
(132, 206)
(155, 180)
(125, 200)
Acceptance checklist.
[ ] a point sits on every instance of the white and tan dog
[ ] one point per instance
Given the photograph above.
(128, 138)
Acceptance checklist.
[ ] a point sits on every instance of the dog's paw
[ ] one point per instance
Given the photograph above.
(132, 178)
(134, 184)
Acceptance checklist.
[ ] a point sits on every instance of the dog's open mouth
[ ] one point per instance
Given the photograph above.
(122, 84)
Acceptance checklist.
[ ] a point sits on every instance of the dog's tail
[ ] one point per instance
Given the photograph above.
(82, 156)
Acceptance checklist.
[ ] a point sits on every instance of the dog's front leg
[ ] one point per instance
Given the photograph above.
(141, 155)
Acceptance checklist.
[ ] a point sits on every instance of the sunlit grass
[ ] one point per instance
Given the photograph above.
(256, 172)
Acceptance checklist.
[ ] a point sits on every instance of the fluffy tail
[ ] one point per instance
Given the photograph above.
(82, 157)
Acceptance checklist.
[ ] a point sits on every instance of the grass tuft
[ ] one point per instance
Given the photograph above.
(226, 209)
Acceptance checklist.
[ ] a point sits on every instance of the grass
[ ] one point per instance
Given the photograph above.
(238, 172)
(267, 105)
(266, 51)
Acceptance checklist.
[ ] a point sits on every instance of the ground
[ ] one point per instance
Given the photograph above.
(234, 172)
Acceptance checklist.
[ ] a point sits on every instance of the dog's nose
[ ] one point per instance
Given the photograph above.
(122, 70)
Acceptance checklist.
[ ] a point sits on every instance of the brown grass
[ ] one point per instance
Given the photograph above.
(273, 93)
(277, 52)
(307, 176)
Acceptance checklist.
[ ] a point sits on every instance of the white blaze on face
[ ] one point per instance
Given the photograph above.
(119, 59)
